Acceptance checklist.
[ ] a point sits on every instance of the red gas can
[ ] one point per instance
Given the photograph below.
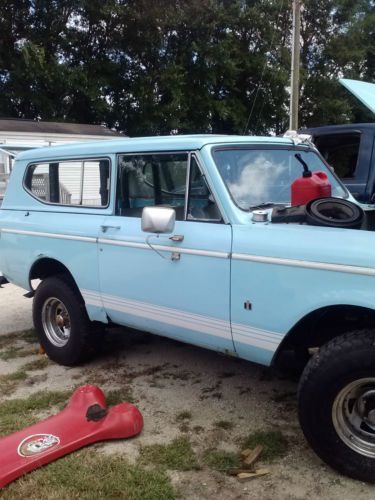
(310, 186)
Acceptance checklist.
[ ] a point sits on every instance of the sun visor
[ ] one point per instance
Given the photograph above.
(364, 91)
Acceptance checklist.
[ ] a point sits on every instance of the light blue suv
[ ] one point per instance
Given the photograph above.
(166, 235)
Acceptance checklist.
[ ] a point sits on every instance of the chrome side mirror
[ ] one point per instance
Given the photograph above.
(158, 220)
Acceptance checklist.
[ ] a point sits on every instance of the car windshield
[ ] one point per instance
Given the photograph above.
(264, 176)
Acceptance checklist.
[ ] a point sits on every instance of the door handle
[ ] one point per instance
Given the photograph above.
(105, 228)
(177, 237)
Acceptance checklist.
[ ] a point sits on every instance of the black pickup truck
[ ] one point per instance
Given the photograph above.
(350, 148)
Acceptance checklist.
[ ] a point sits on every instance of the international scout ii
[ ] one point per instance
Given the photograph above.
(193, 237)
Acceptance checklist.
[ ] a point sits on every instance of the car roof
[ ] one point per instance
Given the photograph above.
(146, 144)
(347, 127)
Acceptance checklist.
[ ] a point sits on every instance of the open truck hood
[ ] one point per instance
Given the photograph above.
(364, 91)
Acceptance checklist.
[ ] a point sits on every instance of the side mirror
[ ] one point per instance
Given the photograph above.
(158, 220)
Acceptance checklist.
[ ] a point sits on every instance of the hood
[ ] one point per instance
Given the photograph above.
(364, 91)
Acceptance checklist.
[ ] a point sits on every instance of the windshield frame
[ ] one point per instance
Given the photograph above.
(260, 147)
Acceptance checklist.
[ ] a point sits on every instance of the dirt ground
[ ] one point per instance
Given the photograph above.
(186, 391)
(15, 310)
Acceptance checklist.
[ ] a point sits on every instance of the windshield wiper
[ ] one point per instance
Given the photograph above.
(267, 204)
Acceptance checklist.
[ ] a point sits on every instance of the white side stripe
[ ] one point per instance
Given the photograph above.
(199, 323)
(253, 341)
(196, 322)
(92, 298)
(122, 243)
(50, 235)
(256, 337)
(307, 264)
(244, 331)
(165, 248)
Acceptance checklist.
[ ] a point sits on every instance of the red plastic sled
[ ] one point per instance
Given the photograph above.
(85, 420)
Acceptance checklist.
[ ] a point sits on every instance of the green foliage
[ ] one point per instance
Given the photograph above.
(37, 364)
(224, 424)
(178, 455)
(188, 66)
(15, 414)
(9, 382)
(16, 352)
(7, 341)
(87, 475)
(274, 444)
(338, 41)
(183, 415)
(117, 396)
(221, 460)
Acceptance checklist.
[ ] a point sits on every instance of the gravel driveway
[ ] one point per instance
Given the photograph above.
(210, 401)
(15, 310)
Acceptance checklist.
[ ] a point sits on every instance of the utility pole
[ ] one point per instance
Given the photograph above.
(294, 79)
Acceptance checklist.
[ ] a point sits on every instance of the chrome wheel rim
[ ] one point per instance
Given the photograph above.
(56, 322)
(353, 415)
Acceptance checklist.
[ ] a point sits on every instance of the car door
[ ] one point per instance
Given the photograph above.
(175, 285)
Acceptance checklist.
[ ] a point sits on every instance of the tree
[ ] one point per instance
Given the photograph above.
(184, 66)
(338, 41)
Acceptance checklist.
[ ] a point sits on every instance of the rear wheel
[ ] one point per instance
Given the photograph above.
(337, 404)
(62, 323)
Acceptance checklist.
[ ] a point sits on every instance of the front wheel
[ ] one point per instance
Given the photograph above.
(337, 404)
(62, 324)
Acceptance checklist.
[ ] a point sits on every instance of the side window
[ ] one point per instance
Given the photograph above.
(160, 179)
(341, 152)
(148, 180)
(82, 183)
(201, 203)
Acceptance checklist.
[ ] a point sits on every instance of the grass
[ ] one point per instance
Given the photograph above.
(16, 352)
(11, 353)
(221, 460)
(38, 364)
(198, 429)
(28, 336)
(18, 413)
(224, 424)
(178, 455)
(117, 396)
(274, 443)
(8, 339)
(184, 427)
(9, 382)
(183, 415)
(88, 474)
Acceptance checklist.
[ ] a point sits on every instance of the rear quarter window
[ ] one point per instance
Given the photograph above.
(83, 183)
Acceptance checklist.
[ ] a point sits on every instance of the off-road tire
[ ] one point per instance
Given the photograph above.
(334, 212)
(342, 361)
(85, 336)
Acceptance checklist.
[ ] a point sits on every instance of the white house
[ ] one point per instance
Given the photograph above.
(18, 135)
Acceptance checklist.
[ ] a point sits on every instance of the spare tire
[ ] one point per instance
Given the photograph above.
(334, 212)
